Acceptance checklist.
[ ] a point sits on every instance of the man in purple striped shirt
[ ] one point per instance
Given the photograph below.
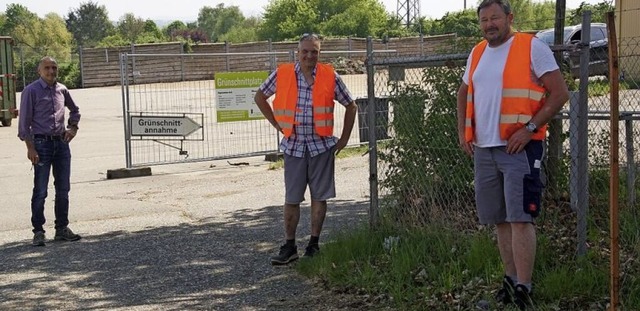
(309, 158)
(42, 128)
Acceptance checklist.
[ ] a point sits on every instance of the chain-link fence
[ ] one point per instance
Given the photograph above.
(421, 175)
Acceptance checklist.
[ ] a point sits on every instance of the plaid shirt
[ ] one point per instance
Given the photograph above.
(304, 138)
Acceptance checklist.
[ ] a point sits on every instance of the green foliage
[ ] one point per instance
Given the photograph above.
(441, 268)
(288, 19)
(89, 24)
(598, 12)
(424, 160)
(462, 23)
(528, 15)
(17, 16)
(216, 22)
(112, 41)
(37, 37)
(359, 20)
(543, 16)
(69, 75)
(394, 29)
(152, 30)
(28, 70)
(174, 26)
(246, 32)
(131, 27)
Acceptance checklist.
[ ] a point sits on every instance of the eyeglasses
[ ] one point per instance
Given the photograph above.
(309, 36)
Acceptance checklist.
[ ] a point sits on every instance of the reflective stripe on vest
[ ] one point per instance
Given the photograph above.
(285, 102)
(521, 97)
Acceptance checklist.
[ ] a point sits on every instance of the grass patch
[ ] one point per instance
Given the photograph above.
(439, 268)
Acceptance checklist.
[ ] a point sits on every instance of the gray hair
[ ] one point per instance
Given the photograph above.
(308, 37)
(504, 4)
(46, 58)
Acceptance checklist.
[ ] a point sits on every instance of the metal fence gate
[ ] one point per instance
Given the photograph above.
(178, 100)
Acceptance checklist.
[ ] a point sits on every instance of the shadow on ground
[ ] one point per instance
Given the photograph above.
(205, 264)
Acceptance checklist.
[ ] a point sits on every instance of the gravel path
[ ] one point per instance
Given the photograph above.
(190, 237)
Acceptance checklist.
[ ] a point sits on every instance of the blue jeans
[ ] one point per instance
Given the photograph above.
(56, 154)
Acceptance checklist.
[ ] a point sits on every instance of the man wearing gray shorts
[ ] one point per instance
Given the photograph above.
(303, 112)
(511, 88)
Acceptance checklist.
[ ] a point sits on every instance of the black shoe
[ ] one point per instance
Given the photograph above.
(311, 251)
(505, 294)
(287, 254)
(523, 297)
(38, 238)
(65, 234)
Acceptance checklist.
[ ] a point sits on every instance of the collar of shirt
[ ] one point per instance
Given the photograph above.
(296, 67)
(44, 84)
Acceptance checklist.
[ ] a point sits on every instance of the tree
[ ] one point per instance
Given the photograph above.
(152, 32)
(288, 19)
(89, 24)
(598, 12)
(394, 28)
(217, 21)
(16, 16)
(462, 23)
(247, 32)
(173, 27)
(546, 13)
(361, 19)
(37, 37)
(53, 38)
(131, 27)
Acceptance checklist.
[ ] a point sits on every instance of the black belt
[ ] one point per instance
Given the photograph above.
(48, 137)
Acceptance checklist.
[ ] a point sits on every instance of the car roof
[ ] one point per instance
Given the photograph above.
(573, 27)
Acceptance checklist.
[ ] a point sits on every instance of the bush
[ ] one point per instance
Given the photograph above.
(424, 160)
(68, 74)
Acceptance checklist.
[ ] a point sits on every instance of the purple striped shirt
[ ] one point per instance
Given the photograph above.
(42, 110)
(304, 138)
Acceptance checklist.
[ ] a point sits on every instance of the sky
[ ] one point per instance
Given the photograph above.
(187, 10)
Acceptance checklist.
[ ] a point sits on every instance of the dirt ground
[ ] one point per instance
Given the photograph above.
(193, 236)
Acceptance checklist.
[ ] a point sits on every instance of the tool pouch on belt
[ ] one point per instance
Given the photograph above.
(532, 194)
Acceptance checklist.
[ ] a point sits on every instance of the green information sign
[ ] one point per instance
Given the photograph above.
(234, 95)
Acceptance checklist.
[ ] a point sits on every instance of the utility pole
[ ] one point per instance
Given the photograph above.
(409, 12)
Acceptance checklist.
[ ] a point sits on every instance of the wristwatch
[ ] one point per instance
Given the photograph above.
(531, 127)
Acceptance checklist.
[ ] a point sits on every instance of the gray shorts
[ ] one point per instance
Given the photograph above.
(317, 172)
(508, 186)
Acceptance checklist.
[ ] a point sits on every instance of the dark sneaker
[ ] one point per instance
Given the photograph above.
(66, 234)
(311, 251)
(505, 294)
(523, 297)
(38, 238)
(287, 254)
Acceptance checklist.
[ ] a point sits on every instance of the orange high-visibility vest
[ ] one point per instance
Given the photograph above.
(521, 97)
(284, 104)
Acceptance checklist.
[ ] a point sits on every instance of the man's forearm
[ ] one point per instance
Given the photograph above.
(551, 107)
(462, 110)
(267, 112)
(349, 120)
